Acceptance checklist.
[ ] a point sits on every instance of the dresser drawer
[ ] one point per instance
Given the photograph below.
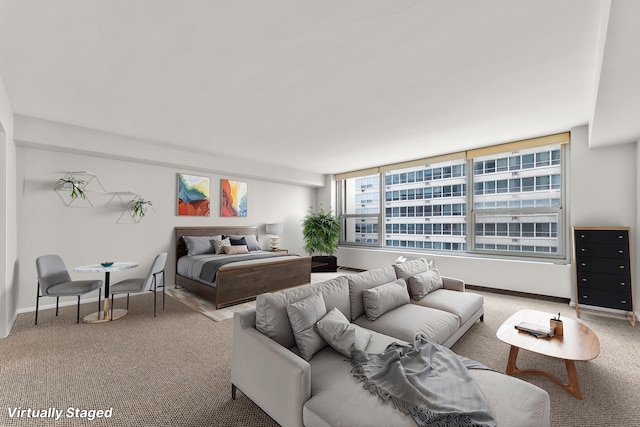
(602, 265)
(601, 236)
(610, 282)
(617, 300)
(601, 250)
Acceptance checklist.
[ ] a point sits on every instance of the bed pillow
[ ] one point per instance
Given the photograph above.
(250, 240)
(238, 242)
(404, 270)
(303, 316)
(220, 244)
(234, 250)
(198, 245)
(384, 298)
(421, 284)
(342, 335)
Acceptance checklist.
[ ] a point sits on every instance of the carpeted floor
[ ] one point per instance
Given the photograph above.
(174, 370)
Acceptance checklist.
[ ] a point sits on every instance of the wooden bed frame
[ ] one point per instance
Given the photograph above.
(245, 282)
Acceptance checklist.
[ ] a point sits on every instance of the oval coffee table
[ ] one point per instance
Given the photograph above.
(578, 342)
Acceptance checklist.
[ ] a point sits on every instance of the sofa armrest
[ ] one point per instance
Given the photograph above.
(273, 377)
(453, 284)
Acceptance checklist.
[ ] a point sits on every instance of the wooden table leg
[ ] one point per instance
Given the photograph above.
(572, 387)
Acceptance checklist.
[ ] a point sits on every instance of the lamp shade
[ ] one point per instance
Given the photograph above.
(274, 229)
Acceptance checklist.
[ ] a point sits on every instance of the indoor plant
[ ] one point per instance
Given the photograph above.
(73, 185)
(321, 232)
(138, 208)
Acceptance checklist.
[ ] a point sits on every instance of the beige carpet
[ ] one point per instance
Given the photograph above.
(175, 370)
(208, 308)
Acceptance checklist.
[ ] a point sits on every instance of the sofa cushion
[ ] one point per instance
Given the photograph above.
(381, 299)
(462, 304)
(404, 270)
(271, 308)
(341, 334)
(423, 283)
(339, 399)
(365, 280)
(409, 320)
(303, 316)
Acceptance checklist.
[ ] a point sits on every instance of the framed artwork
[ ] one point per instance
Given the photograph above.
(193, 195)
(233, 198)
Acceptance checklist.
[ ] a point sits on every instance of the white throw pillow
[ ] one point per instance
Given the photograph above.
(381, 299)
(303, 316)
(342, 335)
(421, 284)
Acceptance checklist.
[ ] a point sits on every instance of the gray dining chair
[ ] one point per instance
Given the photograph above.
(54, 281)
(149, 283)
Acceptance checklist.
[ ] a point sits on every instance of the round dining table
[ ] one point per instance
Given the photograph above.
(105, 314)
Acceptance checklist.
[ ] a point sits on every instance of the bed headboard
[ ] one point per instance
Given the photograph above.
(181, 248)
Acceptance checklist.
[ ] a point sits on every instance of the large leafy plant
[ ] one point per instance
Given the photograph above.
(321, 232)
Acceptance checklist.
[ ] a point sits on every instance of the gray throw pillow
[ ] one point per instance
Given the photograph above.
(404, 270)
(342, 335)
(381, 299)
(199, 245)
(303, 315)
(421, 284)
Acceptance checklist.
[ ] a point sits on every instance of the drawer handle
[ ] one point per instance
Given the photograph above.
(585, 296)
(620, 236)
(584, 280)
(582, 236)
(584, 264)
(623, 301)
(621, 267)
(583, 250)
(620, 251)
(622, 284)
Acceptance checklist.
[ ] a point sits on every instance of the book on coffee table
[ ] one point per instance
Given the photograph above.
(534, 329)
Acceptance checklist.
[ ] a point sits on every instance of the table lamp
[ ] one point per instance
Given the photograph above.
(275, 230)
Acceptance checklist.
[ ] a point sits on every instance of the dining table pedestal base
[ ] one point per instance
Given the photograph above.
(105, 315)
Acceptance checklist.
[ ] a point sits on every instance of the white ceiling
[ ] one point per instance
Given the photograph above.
(326, 86)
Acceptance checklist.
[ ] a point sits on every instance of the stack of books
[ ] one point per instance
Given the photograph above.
(537, 331)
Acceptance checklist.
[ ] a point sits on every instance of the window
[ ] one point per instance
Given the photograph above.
(516, 201)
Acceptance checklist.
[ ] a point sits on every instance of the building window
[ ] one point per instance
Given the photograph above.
(516, 202)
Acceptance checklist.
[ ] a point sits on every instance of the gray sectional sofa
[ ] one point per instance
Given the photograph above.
(283, 364)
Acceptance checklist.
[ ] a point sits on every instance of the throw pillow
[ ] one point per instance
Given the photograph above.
(198, 245)
(251, 239)
(303, 315)
(238, 242)
(381, 299)
(342, 335)
(404, 270)
(220, 244)
(234, 250)
(366, 280)
(421, 284)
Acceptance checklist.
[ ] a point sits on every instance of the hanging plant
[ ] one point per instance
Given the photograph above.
(139, 207)
(75, 185)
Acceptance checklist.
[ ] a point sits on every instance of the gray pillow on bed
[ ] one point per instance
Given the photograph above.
(198, 245)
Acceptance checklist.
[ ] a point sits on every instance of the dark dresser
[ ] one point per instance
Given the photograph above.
(602, 259)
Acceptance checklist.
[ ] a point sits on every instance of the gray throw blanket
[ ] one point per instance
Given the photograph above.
(210, 268)
(427, 381)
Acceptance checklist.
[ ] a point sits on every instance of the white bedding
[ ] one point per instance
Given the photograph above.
(191, 266)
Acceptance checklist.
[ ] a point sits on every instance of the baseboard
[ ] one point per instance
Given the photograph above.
(518, 294)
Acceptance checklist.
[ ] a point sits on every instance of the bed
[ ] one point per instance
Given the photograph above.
(239, 281)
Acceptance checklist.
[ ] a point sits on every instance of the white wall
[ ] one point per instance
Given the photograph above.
(8, 248)
(601, 191)
(90, 235)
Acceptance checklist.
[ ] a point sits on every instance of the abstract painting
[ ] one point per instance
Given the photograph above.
(233, 198)
(193, 195)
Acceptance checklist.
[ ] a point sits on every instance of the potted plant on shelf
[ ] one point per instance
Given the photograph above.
(73, 185)
(138, 208)
(321, 232)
